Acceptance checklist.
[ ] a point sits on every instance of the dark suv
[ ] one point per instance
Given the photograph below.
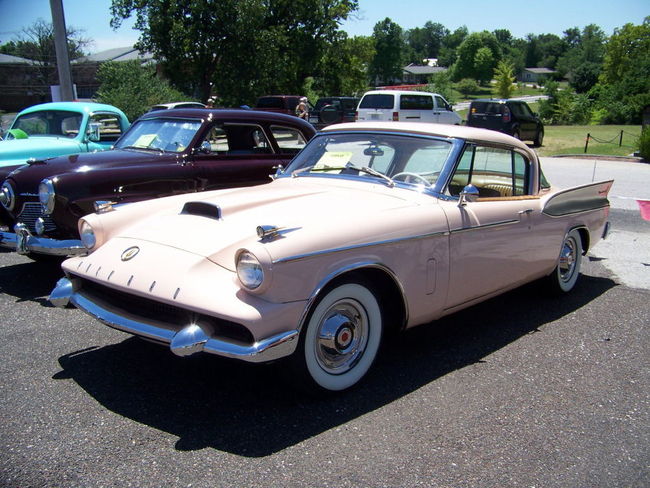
(333, 110)
(512, 117)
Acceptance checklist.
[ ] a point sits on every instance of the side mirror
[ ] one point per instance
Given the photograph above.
(93, 132)
(468, 195)
(205, 147)
(279, 169)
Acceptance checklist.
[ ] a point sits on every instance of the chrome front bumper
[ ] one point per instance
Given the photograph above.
(24, 242)
(189, 340)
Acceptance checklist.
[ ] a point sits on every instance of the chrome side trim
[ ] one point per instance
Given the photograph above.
(25, 243)
(189, 340)
(485, 226)
(298, 257)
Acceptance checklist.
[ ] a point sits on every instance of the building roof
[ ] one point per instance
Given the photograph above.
(540, 71)
(8, 59)
(423, 70)
(117, 54)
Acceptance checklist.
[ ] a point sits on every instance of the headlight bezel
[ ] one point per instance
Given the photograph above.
(46, 195)
(87, 235)
(250, 270)
(7, 196)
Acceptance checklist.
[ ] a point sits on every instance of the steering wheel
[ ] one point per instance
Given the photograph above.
(408, 176)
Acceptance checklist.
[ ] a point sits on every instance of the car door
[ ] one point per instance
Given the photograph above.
(239, 154)
(494, 241)
(526, 120)
(416, 108)
(442, 111)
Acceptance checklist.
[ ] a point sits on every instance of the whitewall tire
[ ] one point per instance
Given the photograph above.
(341, 339)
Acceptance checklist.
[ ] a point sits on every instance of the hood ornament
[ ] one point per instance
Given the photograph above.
(267, 231)
(130, 253)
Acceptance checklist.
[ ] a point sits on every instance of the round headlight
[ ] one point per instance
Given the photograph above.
(7, 196)
(87, 235)
(46, 195)
(249, 270)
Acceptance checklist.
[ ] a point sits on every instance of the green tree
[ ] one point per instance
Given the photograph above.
(505, 77)
(478, 55)
(425, 42)
(623, 89)
(388, 60)
(238, 48)
(133, 88)
(467, 86)
(345, 66)
(441, 83)
(450, 44)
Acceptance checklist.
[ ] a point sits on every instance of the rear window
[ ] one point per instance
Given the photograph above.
(487, 108)
(377, 101)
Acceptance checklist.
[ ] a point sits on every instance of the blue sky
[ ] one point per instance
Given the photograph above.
(521, 18)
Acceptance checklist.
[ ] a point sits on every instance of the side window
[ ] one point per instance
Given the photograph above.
(290, 140)
(440, 102)
(244, 139)
(416, 102)
(493, 171)
(216, 139)
(109, 127)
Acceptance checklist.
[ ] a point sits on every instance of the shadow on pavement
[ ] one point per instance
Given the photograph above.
(248, 410)
(30, 280)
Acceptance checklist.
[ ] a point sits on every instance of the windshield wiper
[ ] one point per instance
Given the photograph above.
(363, 169)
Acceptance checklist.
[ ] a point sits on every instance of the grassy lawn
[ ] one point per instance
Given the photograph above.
(570, 139)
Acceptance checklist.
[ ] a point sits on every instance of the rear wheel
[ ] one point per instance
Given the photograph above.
(539, 138)
(516, 134)
(565, 275)
(339, 342)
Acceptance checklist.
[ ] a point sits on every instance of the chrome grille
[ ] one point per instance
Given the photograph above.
(30, 212)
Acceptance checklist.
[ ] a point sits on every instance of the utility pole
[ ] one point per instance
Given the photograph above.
(61, 46)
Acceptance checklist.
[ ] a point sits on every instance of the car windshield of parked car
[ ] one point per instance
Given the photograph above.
(49, 123)
(169, 135)
(413, 160)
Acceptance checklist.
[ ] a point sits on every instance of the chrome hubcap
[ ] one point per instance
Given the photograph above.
(342, 336)
(568, 259)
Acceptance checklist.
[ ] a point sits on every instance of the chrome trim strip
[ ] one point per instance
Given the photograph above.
(486, 226)
(269, 349)
(298, 257)
(41, 245)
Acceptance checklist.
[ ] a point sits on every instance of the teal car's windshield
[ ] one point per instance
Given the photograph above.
(408, 159)
(49, 123)
(173, 135)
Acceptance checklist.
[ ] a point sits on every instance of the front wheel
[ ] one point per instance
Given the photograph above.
(341, 338)
(564, 276)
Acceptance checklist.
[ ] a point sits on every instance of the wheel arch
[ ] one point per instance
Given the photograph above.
(379, 279)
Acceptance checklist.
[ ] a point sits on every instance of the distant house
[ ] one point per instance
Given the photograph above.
(25, 82)
(534, 75)
(416, 74)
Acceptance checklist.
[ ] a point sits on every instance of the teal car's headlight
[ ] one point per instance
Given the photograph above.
(87, 234)
(7, 196)
(46, 196)
(249, 270)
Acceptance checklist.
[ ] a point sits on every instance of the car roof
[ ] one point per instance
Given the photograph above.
(440, 130)
(398, 92)
(228, 113)
(86, 107)
(497, 100)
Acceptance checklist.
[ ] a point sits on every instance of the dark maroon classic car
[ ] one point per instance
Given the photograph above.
(163, 153)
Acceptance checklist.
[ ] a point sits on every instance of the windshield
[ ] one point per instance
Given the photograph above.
(402, 158)
(173, 135)
(49, 123)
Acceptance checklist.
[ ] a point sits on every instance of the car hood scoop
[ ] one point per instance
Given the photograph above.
(218, 224)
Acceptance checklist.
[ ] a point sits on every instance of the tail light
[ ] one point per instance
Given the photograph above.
(506, 115)
(356, 115)
(395, 116)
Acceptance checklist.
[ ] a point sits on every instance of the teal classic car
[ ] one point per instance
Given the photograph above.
(60, 128)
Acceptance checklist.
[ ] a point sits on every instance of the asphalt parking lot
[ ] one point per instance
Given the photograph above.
(524, 390)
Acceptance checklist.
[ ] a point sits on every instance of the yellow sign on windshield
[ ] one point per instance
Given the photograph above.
(333, 161)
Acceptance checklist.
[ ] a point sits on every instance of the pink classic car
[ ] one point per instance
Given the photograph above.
(372, 227)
